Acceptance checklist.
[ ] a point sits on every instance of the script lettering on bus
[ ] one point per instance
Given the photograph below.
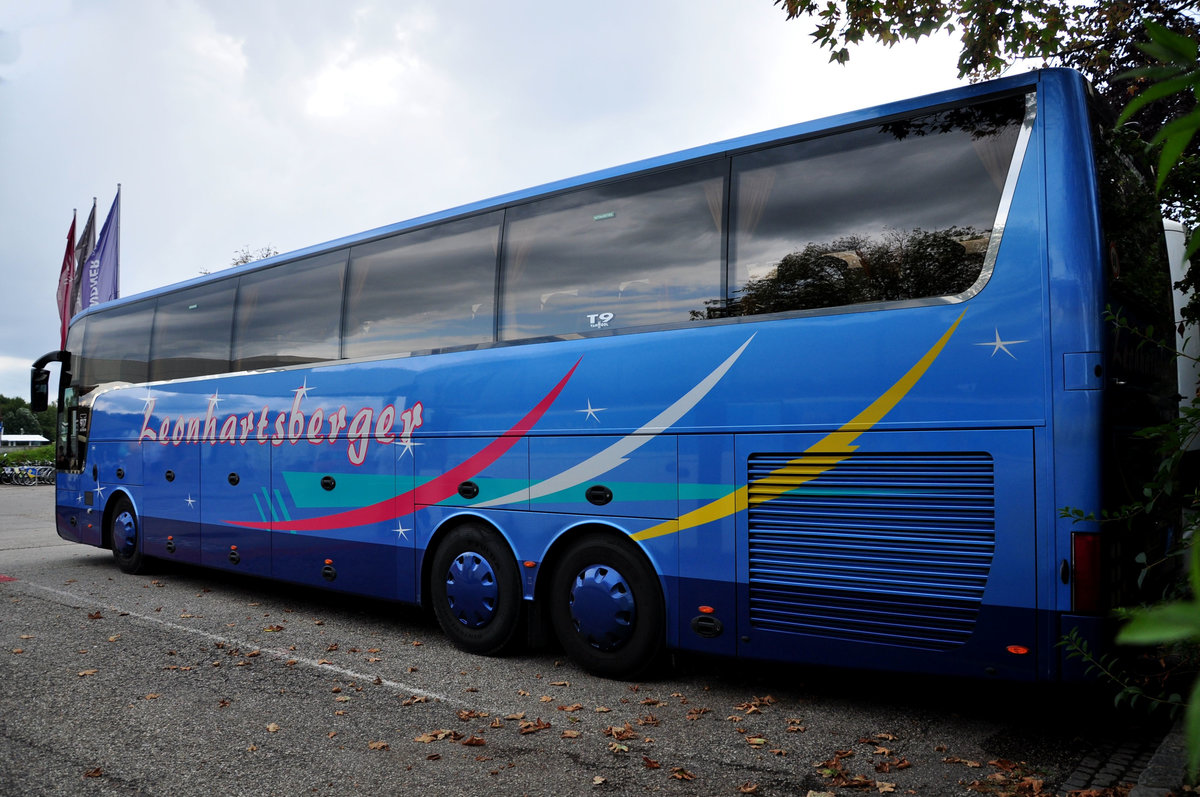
(287, 426)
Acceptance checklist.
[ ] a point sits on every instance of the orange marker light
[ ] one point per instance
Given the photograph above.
(233, 547)
(1019, 650)
(530, 564)
(707, 610)
(328, 561)
(169, 538)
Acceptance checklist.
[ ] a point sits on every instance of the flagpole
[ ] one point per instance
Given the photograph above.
(117, 286)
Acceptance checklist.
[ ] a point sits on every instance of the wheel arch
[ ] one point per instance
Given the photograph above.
(573, 534)
(109, 509)
(438, 537)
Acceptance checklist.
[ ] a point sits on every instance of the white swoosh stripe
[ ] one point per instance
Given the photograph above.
(615, 454)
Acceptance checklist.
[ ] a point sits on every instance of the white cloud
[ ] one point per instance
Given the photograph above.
(291, 122)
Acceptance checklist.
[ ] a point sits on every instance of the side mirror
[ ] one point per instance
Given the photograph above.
(39, 378)
(39, 389)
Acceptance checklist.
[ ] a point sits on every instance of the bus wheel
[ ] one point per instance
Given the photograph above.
(476, 590)
(607, 609)
(123, 533)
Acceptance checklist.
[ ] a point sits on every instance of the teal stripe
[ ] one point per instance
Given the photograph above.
(282, 506)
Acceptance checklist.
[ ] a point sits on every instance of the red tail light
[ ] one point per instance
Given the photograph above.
(1085, 573)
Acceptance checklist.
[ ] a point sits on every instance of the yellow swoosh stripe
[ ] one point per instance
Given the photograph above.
(821, 457)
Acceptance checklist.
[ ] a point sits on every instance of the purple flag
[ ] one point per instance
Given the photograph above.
(102, 270)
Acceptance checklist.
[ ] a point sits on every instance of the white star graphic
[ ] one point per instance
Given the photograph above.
(406, 443)
(591, 411)
(215, 398)
(1001, 345)
(149, 399)
(303, 389)
(100, 490)
(191, 502)
(401, 530)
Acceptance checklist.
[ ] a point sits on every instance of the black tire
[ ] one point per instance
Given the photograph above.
(125, 536)
(475, 588)
(607, 608)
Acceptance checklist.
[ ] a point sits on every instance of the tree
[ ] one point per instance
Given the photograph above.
(246, 255)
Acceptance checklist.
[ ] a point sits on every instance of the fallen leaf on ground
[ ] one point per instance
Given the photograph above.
(533, 726)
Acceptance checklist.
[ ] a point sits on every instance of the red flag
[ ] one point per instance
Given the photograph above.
(65, 278)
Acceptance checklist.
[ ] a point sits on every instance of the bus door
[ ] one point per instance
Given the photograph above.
(237, 503)
(915, 551)
(171, 501)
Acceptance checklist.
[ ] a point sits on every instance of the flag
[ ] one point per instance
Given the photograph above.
(102, 271)
(66, 276)
(87, 242)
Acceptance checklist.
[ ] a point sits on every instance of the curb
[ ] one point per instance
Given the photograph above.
(1165, 772)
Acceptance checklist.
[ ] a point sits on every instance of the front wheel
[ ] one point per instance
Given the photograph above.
(124, 536)
(607, 608)
(476, 590)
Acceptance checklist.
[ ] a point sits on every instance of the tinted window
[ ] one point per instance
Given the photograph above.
(902, 210)
(636, 252)
(290, 314)
(116, 344)
(192, 331)
(429, 289)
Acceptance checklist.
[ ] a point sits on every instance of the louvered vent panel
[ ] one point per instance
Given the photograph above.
(892, 548)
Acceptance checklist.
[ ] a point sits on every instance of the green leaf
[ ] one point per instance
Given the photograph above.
(1155, 92)
(1170, 622)
(1181, 46)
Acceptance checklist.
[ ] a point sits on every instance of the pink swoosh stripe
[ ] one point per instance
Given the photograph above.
(431, 491)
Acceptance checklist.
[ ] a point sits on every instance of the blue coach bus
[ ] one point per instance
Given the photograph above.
(814, 395)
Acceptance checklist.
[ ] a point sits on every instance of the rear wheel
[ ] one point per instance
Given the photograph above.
(476, 590)
(607, 608)
(124, 534)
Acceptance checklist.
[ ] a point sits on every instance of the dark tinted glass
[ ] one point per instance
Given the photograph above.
(116, 345)
(290, 314)
(636, 252)
(192, 331)
(429, 289)
(902, 210)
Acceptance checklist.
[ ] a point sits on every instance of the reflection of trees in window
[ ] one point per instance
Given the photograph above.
(896, 266)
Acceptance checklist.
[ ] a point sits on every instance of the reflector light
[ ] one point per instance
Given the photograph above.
(706, 610)
(1019, 650)
(530, 564)
(233, 547)
(328, 561)
(169, 538)
(1085, 573)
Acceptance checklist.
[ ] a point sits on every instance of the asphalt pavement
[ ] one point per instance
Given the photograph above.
(192, 682)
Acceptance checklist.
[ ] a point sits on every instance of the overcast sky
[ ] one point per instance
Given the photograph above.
(286, 123)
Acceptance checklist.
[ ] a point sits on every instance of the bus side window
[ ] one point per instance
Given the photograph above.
(193, 331)
(290, 314)
(423, 290)
(895, 212)
(576, 262)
